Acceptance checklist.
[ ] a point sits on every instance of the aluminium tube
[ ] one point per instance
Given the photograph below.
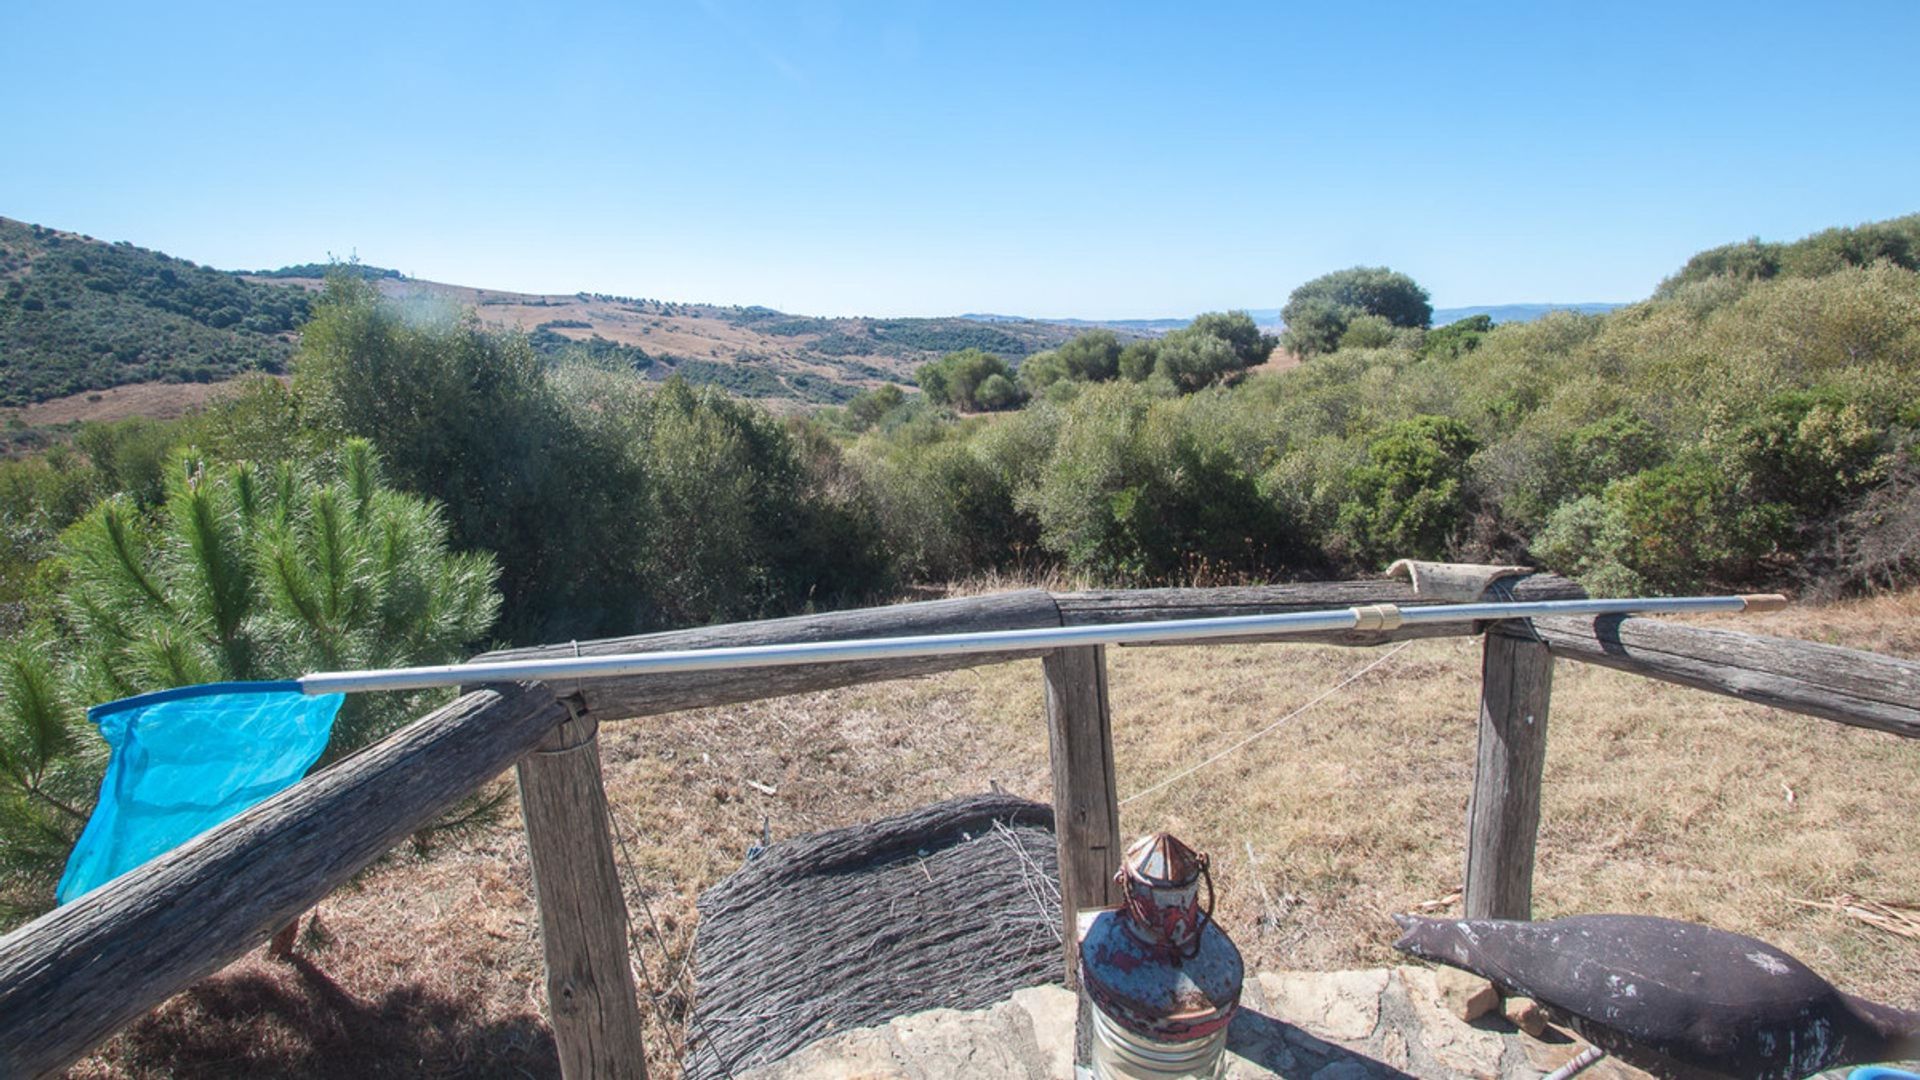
(1367, 617)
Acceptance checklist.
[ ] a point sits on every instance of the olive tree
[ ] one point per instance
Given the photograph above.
(1318, 313)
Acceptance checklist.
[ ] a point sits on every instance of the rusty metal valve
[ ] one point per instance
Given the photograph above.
(1163, 977)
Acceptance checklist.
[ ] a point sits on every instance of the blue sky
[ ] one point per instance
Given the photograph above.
(1107, 160)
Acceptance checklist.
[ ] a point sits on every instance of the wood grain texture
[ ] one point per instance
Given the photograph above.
(1141, 605)
(1850, 686)
(1503, 816)
(1086, 803)
(591, 999)
(72, 977)
(649, 695)
(1145, 605)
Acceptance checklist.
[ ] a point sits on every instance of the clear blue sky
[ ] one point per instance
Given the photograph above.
(1104, 160)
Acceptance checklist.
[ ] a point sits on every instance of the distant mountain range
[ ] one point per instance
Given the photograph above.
(1517, 312)
(80, 316)
(1270, 317)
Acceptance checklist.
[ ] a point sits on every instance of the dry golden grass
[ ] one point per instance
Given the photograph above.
(1658, 800)
(153, 399)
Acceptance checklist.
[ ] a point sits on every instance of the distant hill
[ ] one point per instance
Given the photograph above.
(319, 271)
(754, 352)
(79, 314)
(1132, 326)
(1517, 312)
(1270, 317)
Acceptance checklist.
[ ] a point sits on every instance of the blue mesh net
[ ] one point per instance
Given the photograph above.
(186, 760)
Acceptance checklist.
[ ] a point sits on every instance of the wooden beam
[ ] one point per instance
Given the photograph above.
(649, 695)
(1503, 816)
(591, 1000)
(1846, 685)
(1145, 605)
(1086, 808)
(1142, 605)
(73, 976)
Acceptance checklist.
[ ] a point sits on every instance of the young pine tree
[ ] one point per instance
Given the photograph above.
(243, 573)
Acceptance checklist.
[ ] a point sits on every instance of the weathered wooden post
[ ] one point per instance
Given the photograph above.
(583, 913)
(1086, 810)
(1503, 817)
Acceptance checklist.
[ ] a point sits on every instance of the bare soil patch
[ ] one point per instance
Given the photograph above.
(160, 400)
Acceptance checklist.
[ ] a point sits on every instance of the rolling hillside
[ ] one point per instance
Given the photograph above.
(80, 318)
(755, 352)
(78, 314)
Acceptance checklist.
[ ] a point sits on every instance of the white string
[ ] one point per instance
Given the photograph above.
(1324, 695)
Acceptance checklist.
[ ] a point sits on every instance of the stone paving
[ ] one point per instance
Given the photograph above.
(1339, 1025)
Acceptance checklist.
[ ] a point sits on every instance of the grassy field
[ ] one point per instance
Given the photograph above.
(1658, 800)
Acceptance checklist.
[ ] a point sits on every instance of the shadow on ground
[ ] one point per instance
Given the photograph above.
(294, 1020)
(1288, 1052)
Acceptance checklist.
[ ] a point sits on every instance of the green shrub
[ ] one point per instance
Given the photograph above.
(468, 416)
(1586, 540)
(1806, 449)
(1090, 357)
(1134, 492)
(1688, 526)
(997, 392)
(869, 407)
(1318, 313)
(1367, 332)
(241, 574)
(1456, 339)
(958, 378)
(1410, 499)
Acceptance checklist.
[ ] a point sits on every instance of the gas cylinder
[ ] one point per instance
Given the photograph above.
(1163, 978)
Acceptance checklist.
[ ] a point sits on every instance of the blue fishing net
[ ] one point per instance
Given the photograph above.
(185, 760)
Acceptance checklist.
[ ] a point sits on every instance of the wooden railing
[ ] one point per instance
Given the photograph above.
(71, 978)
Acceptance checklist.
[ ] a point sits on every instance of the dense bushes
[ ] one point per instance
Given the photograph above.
(1211, 349)
(1742, 429)
(611, 507)
(1739, 429)
(1090, 357)
(1138, 489)
(1215, 347)
(969, 380)
(1896, 242)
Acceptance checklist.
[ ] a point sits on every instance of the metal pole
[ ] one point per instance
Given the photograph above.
(1369, 617)
(1586, 1059)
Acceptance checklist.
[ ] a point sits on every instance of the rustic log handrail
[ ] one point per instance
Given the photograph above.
(1849, 686)
(70, 978)
(636, 696)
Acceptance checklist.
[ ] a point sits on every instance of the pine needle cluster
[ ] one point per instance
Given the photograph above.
(242, 573)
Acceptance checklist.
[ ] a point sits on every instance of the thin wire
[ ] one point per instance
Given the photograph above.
(1236, 747)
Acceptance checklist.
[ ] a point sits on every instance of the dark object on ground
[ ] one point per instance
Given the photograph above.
(952, 905)
(1673, 998)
